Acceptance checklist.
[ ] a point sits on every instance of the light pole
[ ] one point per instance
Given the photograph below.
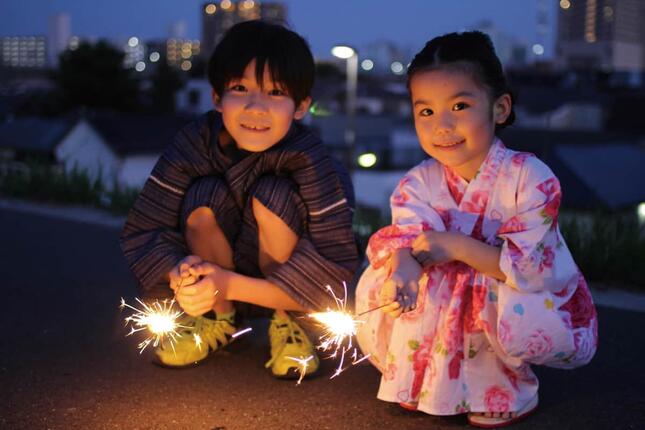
(350, 56)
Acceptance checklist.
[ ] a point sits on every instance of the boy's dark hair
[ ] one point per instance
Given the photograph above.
(471, 52)
(286, 53)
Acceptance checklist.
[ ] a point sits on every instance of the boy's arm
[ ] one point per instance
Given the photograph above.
(151, 240)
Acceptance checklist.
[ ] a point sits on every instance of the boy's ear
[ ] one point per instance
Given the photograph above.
(302, 109)
(502, 108)
(217, 101)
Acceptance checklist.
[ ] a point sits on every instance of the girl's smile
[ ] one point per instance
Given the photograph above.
(455, 118)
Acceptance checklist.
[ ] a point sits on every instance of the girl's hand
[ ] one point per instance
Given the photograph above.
(435, 247)
(180, 276)
(200, 297)
(402, 287)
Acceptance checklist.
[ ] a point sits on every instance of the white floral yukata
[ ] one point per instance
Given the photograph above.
(469, 343)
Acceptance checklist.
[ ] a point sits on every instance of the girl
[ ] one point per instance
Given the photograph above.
(476, 276)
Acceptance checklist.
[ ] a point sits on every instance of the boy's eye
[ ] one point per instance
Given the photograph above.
(425, 112)
(276, 92)
(237, 87)
(460, 106)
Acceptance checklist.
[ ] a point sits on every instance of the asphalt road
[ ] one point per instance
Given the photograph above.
(65, 362)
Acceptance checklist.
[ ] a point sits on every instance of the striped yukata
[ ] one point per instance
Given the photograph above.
(296, 179)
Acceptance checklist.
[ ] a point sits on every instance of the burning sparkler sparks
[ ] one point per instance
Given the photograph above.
(159, 318)
(340, 327)
(303, 363)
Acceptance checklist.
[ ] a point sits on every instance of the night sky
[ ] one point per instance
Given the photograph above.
(409, 23)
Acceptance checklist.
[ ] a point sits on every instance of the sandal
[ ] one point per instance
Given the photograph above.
(408, 406)
(485, 422)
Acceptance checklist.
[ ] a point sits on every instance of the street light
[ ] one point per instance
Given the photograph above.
(350, 55)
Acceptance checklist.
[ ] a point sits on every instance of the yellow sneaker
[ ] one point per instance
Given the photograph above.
(200, 337)
(289, 341)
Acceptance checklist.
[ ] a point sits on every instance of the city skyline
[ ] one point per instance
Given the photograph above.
(359, 24)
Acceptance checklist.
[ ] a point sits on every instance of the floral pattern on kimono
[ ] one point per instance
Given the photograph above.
(470, 342)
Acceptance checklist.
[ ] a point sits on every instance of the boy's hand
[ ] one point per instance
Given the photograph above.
(180, 276)
(402, 287)
(201, 296)
(435, 247)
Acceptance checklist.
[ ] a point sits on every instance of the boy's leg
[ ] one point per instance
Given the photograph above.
(206, 239)
(276, 241)
(278, 213)
(207, 205)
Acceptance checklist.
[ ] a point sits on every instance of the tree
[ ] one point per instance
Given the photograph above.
(165, 82)
(93, 75)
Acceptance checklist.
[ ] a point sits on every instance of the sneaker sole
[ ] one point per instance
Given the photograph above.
(233, 344)
(294, 373)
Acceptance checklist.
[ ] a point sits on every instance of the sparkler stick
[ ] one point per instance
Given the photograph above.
(374, 309)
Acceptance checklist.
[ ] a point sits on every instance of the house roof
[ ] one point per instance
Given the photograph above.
(134, 133)
(613, 172)
(34, 134)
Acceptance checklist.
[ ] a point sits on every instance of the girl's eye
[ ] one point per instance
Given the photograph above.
(237, 88)
(425, 112)
(276, 92)
(460, 106)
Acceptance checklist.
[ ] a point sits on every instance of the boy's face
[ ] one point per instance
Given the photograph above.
(455, 118)
(257, 115)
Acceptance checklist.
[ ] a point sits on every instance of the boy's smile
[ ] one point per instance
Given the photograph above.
(257, 115)
(454, 118)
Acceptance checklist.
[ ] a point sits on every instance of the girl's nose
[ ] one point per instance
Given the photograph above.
(445, 122)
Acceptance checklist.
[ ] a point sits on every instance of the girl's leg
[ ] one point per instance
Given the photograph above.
(207, 240)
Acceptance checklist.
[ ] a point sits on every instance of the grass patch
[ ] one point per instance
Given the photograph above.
(608, 248)
(44, 183)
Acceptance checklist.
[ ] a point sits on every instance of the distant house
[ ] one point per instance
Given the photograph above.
(138, 140)
(118, 148)
(70, 144)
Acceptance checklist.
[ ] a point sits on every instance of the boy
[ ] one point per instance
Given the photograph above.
(253, 197)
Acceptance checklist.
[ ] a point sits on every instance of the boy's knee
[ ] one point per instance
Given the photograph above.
(200, 219)
(261, 213)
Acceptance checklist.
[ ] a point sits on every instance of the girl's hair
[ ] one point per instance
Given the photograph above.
(285, 52)
(470, 52)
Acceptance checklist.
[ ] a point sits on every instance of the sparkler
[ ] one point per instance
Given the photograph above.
(160, 318)
(340, 327)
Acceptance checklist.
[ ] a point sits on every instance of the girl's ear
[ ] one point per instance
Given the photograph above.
(302, 109)
(502, 108)
(217, 101)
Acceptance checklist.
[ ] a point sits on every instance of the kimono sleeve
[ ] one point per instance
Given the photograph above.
(412, 214)
(534, 256)
(151, 239)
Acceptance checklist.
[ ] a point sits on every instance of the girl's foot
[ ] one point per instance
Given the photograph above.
(490, 420)
(408, 406)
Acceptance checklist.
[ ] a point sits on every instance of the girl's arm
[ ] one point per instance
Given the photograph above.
(435, 247)
(482, 257)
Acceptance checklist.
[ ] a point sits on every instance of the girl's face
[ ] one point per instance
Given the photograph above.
(455, 118)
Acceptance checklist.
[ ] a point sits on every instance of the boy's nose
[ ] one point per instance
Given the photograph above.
(255, 103)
